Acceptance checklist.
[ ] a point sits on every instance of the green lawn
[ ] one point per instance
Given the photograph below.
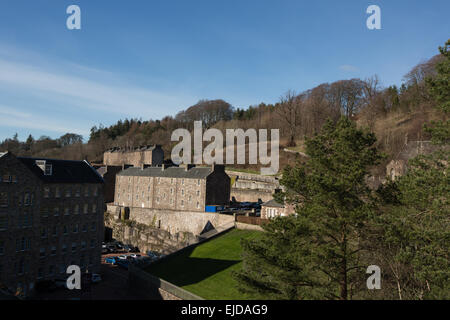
(206, 270)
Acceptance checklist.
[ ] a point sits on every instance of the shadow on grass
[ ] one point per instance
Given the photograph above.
(186, 271)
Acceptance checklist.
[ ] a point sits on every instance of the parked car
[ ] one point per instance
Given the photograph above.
(105, 251)
(122, 257)
(123, 263)
(112, 260)
(135, 255)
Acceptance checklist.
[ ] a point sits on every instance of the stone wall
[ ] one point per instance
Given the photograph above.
(250, 195)
(162, 231)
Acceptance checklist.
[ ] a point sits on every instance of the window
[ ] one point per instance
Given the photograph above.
(65, 230)
(76, 210)
(21, 268)
(86, 192)
(44, 212)
(74, 247)
(43, 232)
(77, 192)
(51, 270)
(85, 227)
(68, 193)
(94, 208)
(171, 190)
(53, 252)
(2, 247)
(198, 182)
(92, 243)
(57, 192)
(198, 205)
(40, 273)
(48, 170)
(46, 192)
(64, 248)
(182, 192)
(27, 199)
(66, 211)
(93, 226)
(7, 177)
(3, 222)
(42, 252)
(56, 211)
(4, 199)
(55, 231)
(95, 191)
(198, 193)
(83, 245)
(75, 228)
(85, 208)
(182, 203)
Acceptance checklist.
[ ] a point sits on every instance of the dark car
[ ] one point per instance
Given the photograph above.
(123, 263)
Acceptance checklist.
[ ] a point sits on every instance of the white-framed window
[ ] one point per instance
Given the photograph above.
(46, 192)
(48, 170)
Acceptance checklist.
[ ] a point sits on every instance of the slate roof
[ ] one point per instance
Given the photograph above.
(273, 203)
(140, 148)
(171, 172)
(64, 171)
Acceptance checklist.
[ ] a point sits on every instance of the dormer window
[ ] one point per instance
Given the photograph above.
(45, 167)
(48, 170)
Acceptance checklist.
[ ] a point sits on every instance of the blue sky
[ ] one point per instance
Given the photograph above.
(148, 59)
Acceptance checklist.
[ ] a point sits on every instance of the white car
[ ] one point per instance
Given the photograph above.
(135, 255)
(122, 257)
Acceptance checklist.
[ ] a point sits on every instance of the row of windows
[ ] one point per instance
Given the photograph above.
(8, 178)
(26, 198)
(68, 192)
(64, 248)
(62, 268)
(45, 211)
(172, 180)
(65, 229)
(164, 195)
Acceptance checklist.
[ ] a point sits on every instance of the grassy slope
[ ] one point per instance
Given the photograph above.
(206, 271)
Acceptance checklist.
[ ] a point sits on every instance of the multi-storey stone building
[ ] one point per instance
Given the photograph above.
(185, 188)
(152, 155)
(51, 216)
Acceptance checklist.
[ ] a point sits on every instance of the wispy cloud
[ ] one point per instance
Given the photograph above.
(348, 68)
(43, 93)
(86, 93)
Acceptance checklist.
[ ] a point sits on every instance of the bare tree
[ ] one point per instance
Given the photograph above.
(288, 109)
